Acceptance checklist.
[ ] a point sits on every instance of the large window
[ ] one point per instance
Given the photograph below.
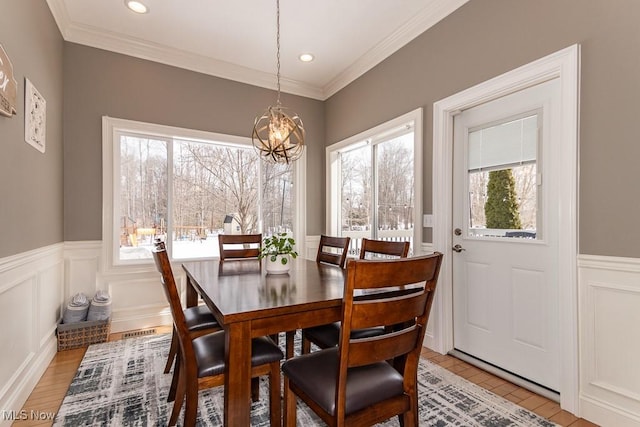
(374, 182)
(185, 188)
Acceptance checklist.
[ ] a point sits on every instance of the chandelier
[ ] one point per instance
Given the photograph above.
(277, 136)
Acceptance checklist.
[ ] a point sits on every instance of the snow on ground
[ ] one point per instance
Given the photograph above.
(181, 249)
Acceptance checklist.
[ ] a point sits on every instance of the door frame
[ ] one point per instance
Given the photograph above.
(565, 65)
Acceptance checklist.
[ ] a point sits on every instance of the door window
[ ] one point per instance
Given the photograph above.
(502, 180)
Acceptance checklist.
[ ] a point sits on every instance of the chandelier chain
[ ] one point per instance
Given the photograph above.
(278, 136)
(278, 49)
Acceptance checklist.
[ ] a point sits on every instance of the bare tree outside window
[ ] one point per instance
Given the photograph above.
(380, 173)
(219, 181)
(215, 188)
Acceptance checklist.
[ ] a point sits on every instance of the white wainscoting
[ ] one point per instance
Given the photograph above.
(31, 296)
(609, 298)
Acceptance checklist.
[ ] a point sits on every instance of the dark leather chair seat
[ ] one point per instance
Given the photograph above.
(199, 318)
(209, 352)
(316, 373)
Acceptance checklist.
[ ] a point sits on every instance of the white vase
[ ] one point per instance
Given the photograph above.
(277, 267)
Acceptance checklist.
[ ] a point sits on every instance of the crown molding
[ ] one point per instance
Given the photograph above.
(138, 48)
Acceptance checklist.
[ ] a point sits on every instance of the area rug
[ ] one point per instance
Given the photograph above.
(121, 383)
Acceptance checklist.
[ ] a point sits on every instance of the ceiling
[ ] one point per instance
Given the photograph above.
(237, 39)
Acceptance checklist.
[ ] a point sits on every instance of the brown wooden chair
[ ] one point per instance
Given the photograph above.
(354, 384)
(251, 246)
(333, 250)
(326, 336)
(383, 249)
(252, 243)
(200, 361)
(200, 321)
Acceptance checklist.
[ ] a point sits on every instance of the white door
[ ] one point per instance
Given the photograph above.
(505, 234)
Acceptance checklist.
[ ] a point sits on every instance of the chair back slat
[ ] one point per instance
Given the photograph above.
(333, 250)
(385, 273)
(241, 253)
(251, 246)
(385, 248)
(365, 351)
(388, 311)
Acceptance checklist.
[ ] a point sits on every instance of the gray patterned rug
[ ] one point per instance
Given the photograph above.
(121, 383)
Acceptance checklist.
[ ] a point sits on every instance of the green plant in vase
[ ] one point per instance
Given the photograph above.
(277, 249)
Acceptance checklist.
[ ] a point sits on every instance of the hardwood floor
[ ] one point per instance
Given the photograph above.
(46, 398)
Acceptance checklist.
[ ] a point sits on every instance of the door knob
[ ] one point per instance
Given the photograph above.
(458, 248)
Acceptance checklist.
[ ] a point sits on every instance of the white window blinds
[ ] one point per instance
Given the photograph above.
(507, 144)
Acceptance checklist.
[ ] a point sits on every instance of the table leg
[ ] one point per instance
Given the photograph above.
(192, 295)
(289, 344)
(237, 383)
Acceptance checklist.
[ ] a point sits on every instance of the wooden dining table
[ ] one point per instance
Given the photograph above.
(249, 303)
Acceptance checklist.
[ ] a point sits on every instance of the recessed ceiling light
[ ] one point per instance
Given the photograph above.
(136, 6)
(306, 57)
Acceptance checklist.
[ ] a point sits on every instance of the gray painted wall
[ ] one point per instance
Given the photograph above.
(486, 38)
(99, 83)
(482, 39)
(31, 189)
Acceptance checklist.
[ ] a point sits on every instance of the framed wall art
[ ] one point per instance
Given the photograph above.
(35, 117)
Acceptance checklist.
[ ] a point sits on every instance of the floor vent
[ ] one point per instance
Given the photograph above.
(141, 333)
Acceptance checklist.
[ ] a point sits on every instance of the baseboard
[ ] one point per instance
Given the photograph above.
(14, 400)
(134, 322)
(606, 415)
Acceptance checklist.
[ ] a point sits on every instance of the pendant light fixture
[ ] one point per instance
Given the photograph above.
(277, 136)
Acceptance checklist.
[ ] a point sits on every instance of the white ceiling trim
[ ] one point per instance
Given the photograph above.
(98, 38)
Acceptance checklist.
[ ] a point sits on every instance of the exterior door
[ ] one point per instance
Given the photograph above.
(505, 233)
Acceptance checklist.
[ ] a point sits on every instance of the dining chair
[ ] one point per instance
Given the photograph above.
(333, 250)
(228, 244)
(200, 321)
(251, 245)
(353, 384)
(326, 336)
(200, 361)
(383, 249)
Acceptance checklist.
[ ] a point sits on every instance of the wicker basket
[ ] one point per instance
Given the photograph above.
(82, 334)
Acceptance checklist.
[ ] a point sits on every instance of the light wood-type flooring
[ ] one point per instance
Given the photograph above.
(46, 398)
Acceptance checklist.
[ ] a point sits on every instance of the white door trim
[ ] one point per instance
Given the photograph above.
(564, 65)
